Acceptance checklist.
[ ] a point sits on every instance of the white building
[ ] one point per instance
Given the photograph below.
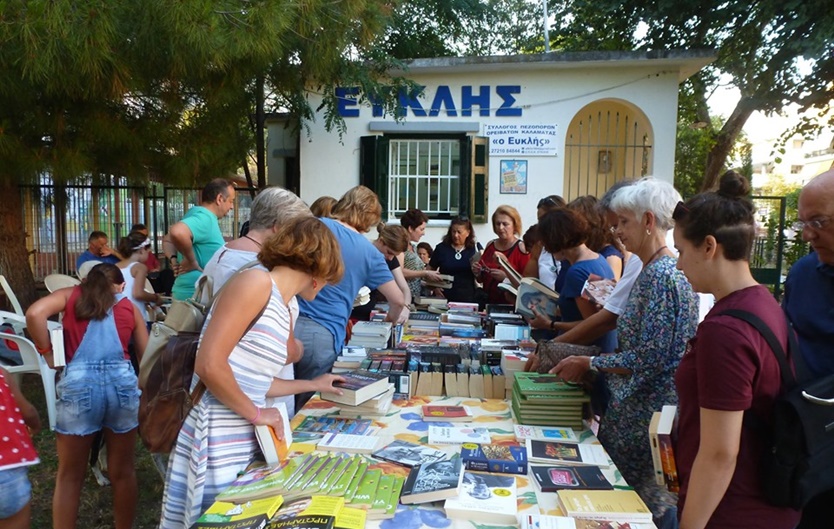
(496, 130)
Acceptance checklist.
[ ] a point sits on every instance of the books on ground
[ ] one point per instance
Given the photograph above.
(544, 433)
(550, 478)
(663, 453)
(345, 442)
(494, 458)
(563, 453)
(409, 454)
(621, 505)
(274, 449)
(253, 514)
(489, 498)
(358, 387)
(432, 482)
(435, 413)
(446, 435)
(535, 295)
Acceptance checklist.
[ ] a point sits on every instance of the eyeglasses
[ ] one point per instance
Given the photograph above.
(545, 202)
(680, 211)
(818, 223)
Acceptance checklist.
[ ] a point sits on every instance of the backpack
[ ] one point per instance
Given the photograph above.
(798, 463)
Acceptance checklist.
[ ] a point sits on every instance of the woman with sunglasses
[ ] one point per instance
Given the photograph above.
(728, 370)
(136, 248)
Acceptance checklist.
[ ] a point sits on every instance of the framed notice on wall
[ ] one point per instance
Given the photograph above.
(513, 177)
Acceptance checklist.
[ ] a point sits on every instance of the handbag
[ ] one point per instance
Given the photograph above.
(550, 353)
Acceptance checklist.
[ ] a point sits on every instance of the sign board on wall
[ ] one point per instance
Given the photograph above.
(521, 139)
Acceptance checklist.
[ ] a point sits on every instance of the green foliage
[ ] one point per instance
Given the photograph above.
(693, 146)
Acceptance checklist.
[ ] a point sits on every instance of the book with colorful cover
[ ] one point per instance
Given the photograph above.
(432, 481)
(598, 290)
(550, 478)
(488, 498)
(544, 433)
(365, 493)
(435, 413)
(409, 454)
(253, 514)
(354, 471)
(314, 424)
(274, 449)
(304, 521)
(264, 481)
(379, 505)
(562, 453)
(494, 458)
(621, 505)
(444, 435)
(533, 295)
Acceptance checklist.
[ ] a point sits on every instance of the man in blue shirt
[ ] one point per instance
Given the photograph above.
(809, 304)
(97, 250)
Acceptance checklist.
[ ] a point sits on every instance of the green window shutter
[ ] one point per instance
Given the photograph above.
(373, 168)
(479, 180)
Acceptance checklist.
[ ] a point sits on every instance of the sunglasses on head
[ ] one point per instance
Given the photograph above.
(545, 202)
(681, 210)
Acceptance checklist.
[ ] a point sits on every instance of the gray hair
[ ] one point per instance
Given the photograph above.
(605, 202)
(275, 205)
(648, 194)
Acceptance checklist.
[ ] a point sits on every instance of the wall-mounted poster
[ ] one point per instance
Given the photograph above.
(514, 177)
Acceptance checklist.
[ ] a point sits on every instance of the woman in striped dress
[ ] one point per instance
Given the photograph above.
(239, 365)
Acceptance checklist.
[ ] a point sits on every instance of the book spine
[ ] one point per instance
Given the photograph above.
(503, 467)
(667, 459)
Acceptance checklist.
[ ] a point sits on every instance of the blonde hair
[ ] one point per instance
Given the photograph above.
(359, 207)
(323, 206)
(510, 212)
(307, 245)
(394, 237)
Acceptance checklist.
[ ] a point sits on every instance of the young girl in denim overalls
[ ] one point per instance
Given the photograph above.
(98, 389)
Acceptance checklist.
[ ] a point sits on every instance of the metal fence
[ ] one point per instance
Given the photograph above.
(58, 219)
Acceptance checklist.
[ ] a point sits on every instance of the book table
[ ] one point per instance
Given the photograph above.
(404, 422)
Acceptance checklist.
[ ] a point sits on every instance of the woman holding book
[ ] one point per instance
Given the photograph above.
(453, 257)
(413, 268)
(660, 316)
(243, 347)
(506, 223)
(728, 371)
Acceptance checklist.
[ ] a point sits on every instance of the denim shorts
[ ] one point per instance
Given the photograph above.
(17, 491)
(92, 396)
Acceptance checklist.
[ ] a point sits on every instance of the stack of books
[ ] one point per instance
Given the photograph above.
(375, 407)
(445, 281)
(359, 387)
(350, 359)
(548, 400)
(370, 334)
(363, 297)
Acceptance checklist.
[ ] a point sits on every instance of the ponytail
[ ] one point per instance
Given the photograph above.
(97, 292)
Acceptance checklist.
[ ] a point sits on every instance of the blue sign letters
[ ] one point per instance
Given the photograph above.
(443, 103)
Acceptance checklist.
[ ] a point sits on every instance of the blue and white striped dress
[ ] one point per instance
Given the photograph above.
(216, 443)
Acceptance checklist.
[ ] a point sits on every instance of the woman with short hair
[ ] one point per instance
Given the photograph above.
(413, 268)
(506, 223)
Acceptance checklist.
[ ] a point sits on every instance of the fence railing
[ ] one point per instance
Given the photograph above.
(58, 219)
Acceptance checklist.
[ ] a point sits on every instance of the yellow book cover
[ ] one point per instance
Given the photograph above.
(350, 518)
(623, 505)
(325, 505)
(253, 513)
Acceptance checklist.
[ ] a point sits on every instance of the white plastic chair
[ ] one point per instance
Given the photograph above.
(85, 268)
(53, 282)
(34, 363)
(10, 294)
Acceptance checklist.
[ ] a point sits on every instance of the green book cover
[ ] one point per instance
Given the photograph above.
(249, 515)
(353, 484)
(548, 401)
(310, 474)
(394, 499)
(383, 493)
(262, 482)
(545, 384)
(366, 491)
(341, 467)
(301, 471)
(314, 486)
(546, 412)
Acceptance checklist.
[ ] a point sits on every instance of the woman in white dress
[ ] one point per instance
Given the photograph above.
(242, 349)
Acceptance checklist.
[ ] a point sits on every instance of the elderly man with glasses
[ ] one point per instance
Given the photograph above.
(809, 304)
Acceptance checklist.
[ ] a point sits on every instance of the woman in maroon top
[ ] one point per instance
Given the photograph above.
(506, 223)
(728, 369)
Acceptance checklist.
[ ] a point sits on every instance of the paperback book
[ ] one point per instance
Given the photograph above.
(599, 290)
(545, 521)
(662, 446)
(494, 458)
(555, 478)
(409, 454)
(432, 481)
(489, 498)
(446, 435)
(535, 383)
(621, 505)
(358, 387)
(544, 433)
(563, 453)
(335, 424)
(345, 442)
(434, 413)
(275, 449)
(304, 521)
(535, 296)
(253, 514)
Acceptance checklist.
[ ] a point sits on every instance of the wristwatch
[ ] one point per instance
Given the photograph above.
(591, 367)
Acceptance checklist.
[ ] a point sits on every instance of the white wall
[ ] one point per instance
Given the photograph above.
(330, 164)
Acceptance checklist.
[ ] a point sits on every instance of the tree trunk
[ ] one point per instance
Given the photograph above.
(725, 141)
(14, 258)
(260, 132)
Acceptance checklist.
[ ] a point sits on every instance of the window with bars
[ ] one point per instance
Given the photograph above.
(442, 175)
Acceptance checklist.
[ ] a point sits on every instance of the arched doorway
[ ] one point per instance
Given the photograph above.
(607, 141)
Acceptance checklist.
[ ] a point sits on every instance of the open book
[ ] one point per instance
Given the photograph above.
(514, 275)
(532, 293)
(599, 290)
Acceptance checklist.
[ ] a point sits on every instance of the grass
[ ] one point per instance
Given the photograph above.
(95, 510)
